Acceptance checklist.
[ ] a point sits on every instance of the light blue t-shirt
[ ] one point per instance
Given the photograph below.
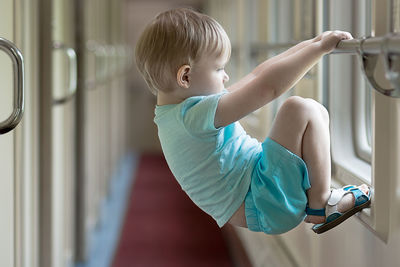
(213, 166)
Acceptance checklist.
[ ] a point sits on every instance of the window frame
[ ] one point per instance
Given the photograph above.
(385, 113)
(362, 111)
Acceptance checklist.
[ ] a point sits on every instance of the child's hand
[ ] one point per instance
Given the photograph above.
(330, 39)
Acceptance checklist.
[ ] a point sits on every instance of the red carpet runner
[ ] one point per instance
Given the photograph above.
(163, 227)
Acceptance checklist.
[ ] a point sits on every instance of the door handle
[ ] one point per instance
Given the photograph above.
(90, 84)
(73, 69)
(102, 60)
(18, 66)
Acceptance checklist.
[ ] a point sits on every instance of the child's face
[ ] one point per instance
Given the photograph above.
(208, 75)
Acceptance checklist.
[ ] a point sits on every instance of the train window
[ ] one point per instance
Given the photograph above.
(360, 117)
(272, 27)
(362, 97)
(225, 12)
(395, 16)
(261, 29)
(347, 96)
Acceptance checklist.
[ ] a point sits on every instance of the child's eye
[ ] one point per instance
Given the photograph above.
(221, 69)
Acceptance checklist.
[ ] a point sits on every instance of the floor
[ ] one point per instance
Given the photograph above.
(163, 227)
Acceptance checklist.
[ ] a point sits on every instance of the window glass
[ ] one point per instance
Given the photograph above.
(347, 96)
(271, 27)
(225, 12)
(363, 118)
(304, 28)
(395, 19)
(368, 118)
(368, 111)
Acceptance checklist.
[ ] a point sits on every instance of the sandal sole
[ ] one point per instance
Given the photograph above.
(341, 219)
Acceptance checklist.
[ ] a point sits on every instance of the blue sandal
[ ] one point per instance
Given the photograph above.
(333, 216)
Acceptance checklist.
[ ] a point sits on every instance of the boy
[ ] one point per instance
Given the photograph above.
(270, 186)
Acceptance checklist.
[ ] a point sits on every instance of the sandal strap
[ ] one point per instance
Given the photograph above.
(316, 212)
(336, 196)
(359, 196)
(331, 210)
(334, 199)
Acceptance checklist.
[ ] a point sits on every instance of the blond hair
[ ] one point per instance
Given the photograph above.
(175, 38)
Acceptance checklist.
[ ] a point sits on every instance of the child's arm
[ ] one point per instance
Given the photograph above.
(269, 80)
(270, 61)
(275, 59)
(286, 53)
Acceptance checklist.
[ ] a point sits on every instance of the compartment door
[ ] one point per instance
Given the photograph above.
(17, 162)
(58, 188)
(7, 153)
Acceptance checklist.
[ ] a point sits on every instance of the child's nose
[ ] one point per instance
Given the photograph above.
(226, 78)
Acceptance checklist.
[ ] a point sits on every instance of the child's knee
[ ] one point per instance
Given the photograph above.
(325, 113)
(306, 108)
(294, 104)
(299, 106)
(320, 109)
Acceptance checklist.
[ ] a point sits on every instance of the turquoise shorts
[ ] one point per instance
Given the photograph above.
(277, 199)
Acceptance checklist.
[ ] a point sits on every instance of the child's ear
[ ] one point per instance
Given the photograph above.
(182, 76)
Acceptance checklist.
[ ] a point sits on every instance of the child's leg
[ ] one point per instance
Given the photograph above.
(302, 126)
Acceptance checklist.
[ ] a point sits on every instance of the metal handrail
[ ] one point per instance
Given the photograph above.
(18, 64)
(369, 50)
(370, 45)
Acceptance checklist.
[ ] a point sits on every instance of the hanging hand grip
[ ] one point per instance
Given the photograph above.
(73, 68)
(18, 66)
